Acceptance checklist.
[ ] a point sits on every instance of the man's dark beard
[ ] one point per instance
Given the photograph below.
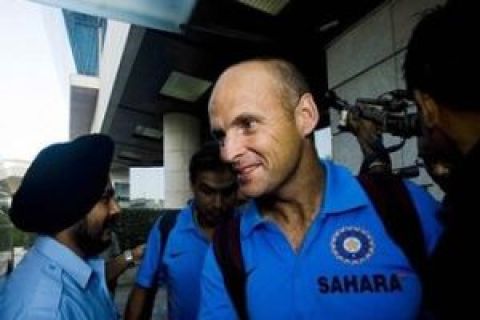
(90, 244)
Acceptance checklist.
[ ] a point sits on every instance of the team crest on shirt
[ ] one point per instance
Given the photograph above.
(352, 245)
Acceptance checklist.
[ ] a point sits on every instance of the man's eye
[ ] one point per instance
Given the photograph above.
(207, 191)
(248, 124)
(221, 141)
(108, 194)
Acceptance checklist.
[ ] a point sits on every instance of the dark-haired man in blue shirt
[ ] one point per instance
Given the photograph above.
(180, 262)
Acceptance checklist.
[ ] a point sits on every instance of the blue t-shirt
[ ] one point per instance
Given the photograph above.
(346, 268)
(179, 268)
(51, 282)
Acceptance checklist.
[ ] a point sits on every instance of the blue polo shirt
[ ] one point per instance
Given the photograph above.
(346, 268)
(51, 282)
(179, 268)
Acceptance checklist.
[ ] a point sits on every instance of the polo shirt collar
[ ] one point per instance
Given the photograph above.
(186, 220)
(343, 191)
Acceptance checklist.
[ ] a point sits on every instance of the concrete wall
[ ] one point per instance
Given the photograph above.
(181, 140)
(366, 61)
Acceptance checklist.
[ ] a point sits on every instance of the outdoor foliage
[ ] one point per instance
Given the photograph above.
(132, 229)
(10, 236)
(134, 225)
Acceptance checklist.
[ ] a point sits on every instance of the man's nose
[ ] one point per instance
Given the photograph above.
(114, 207)
(231, 148)
(217, 200)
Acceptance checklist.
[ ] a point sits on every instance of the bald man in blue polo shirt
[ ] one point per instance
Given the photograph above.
(313, 245)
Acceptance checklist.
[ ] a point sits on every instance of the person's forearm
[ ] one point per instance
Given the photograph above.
(113, 269)
(140, 303)
(116, 266)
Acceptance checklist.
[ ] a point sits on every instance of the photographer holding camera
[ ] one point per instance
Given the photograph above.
(368, 119)
(441, 69)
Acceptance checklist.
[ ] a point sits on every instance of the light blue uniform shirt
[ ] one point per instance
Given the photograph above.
(52, 282)
(347, 267)
(179, 268)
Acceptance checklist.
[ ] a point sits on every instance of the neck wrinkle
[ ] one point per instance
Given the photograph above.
(300, 200)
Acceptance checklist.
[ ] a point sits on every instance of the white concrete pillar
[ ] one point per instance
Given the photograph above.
(181, 139)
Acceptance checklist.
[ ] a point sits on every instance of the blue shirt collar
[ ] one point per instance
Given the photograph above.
(80, 270)
(251, 217)
(343, 193)
(186, 220)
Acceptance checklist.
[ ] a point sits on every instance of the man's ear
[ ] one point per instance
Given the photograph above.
(428, 107)
(306, 114)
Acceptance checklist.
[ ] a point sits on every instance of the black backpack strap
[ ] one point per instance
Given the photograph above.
(395, 208)
(228, 252)
(165, 225)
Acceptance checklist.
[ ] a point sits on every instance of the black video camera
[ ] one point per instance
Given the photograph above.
(390, 111)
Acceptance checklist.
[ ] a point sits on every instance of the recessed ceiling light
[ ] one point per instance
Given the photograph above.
(129, 155)
(148, 133)
(329, 25)
(185, 87)
(272, 7)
